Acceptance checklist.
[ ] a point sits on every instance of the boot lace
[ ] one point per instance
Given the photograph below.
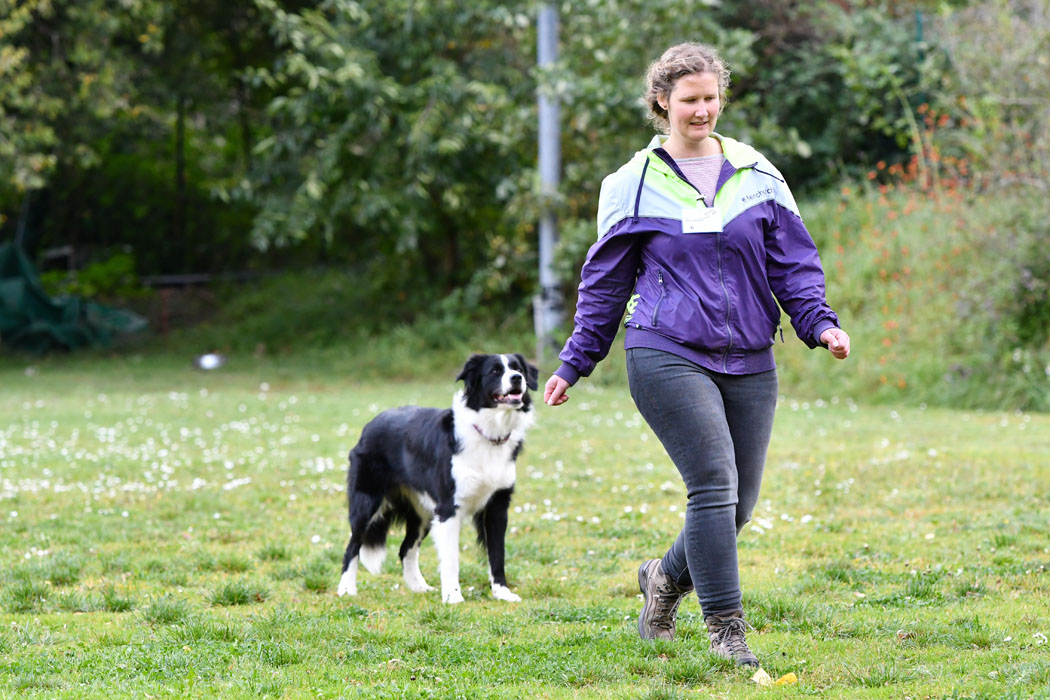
(730, 637)
(666, 599)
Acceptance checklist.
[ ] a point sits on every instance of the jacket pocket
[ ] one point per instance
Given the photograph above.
(659, 299)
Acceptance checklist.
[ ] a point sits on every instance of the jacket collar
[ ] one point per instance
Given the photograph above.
(739, 155)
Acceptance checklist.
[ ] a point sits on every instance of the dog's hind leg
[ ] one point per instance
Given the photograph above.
(415, 531)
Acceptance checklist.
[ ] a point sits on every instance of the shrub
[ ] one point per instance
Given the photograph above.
(943, 308)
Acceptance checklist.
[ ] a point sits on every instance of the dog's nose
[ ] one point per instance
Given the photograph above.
(515, 380)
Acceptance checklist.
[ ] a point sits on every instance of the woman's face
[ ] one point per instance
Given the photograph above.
(692, 109)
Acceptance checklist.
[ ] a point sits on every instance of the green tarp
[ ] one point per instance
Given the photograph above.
(31, 320)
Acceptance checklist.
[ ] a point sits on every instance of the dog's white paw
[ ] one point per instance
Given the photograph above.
(418, 585)
(347, 585)
(503, 593)
(452, 597)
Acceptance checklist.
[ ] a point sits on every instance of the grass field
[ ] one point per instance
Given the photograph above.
(169, 533)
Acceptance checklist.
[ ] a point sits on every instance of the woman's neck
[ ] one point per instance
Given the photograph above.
(677, 149)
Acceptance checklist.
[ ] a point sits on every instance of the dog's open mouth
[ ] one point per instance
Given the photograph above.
(507, 398)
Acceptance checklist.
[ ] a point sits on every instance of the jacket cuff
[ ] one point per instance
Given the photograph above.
(820, 328)
(568, 373)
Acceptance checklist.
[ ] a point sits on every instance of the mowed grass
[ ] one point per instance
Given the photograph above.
(170, 533)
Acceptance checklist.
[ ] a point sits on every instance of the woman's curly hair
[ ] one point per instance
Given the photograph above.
(677, 61)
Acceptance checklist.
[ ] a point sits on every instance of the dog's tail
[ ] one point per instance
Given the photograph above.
(369, 513)
(373, 542)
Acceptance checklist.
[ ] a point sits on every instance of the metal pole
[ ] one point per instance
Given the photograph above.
(547, 303)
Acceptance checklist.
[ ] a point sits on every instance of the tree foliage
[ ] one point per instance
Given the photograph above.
(404, 134)
(399, 137)
(996, 100)
(120, 120)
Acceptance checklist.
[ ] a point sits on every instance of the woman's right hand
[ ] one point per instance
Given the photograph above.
(554, 392)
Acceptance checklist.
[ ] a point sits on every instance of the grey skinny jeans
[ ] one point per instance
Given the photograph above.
(716, 429)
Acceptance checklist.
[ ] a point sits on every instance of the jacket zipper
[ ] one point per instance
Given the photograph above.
(660, 299)
(721, 271)
(729, 310)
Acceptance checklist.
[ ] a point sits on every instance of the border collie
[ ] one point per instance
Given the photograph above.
(434, 468)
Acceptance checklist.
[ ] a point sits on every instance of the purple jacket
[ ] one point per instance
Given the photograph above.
(703, 285)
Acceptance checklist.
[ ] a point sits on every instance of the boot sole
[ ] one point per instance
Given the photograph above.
(645, 600)
(642, 580)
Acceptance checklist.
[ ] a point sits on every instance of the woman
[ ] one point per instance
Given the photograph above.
(699, 239)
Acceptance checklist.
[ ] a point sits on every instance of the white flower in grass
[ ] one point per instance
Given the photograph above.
(315, 539)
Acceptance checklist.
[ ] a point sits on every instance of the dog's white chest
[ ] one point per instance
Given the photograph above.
(484, 464)
(479, 475)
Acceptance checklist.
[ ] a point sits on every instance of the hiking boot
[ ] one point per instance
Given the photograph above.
(726, 632)
(662, 596)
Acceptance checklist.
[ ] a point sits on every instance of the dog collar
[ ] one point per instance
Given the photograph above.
(494, 441)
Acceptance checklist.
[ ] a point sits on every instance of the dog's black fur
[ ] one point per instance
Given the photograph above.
(429, 466)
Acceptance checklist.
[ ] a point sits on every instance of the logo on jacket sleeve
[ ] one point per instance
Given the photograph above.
(764, 193)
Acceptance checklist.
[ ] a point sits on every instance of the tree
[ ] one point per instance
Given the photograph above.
(398, 136)
(129, 124)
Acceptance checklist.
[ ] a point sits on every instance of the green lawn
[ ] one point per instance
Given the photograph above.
(169, 533)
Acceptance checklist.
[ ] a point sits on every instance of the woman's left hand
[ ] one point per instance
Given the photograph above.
(837, 341)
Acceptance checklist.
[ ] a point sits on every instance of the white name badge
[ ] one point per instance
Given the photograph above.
(701, 220)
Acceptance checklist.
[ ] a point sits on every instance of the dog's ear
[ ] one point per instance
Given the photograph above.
(532, 375)
(471, 370)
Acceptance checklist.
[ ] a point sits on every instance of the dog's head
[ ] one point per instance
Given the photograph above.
(498, 381)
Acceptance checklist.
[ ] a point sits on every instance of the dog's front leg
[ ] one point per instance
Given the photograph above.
(446, 541)
(493, 529)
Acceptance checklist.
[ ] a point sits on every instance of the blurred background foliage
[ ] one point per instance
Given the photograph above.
(373, 164)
